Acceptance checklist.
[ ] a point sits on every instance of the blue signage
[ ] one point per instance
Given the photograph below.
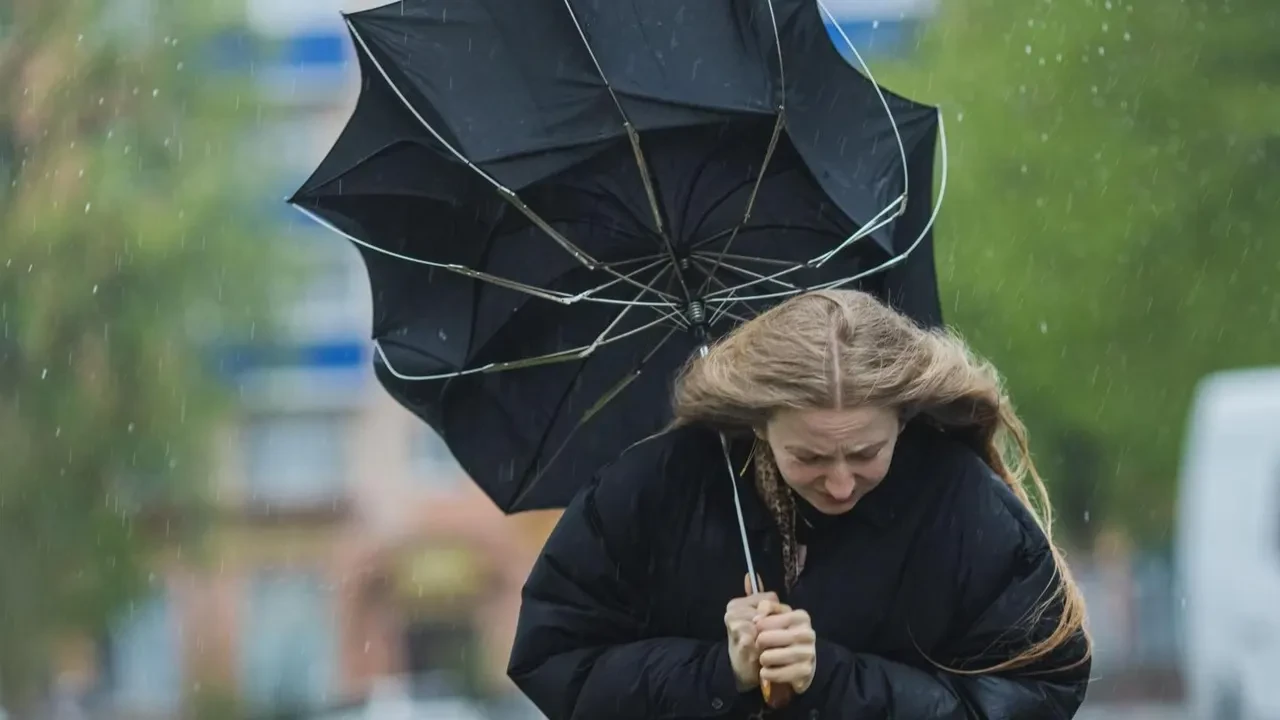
(336, 355)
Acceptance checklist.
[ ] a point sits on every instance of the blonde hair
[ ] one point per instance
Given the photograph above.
(843, 348)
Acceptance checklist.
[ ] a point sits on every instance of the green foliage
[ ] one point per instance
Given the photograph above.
(1108, 232)
(123, 246)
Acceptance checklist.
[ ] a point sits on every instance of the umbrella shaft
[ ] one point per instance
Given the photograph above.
(737, 507)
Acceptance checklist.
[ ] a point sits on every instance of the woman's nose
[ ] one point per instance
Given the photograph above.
(842, 482)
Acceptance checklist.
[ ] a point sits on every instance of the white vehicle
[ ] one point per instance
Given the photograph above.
(1229, 547)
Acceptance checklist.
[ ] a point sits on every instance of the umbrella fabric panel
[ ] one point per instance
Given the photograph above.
(501, 81)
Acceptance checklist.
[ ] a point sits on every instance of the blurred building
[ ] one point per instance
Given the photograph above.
(348, 546)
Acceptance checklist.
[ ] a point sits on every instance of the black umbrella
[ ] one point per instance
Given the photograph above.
(558, 201)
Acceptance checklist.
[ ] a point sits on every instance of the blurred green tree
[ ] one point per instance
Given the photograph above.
(126, 245)
(1108, 232)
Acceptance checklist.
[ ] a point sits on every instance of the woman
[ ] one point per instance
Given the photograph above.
(911, 576)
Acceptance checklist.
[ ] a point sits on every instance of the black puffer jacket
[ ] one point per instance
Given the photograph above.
(623, 613)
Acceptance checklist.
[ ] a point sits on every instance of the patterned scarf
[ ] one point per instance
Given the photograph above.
(781, 503)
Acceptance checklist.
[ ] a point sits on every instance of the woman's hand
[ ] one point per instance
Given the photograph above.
(740, 622)
(785, 642)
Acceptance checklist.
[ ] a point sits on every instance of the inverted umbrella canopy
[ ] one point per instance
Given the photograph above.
(560, 201)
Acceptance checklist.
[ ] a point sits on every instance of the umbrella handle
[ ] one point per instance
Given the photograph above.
(776, 696)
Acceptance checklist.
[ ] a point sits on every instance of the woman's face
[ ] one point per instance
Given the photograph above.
(832, 458)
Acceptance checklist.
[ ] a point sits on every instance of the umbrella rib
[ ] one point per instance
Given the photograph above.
(652, 261)
(503, 191)
(745, 258)
(884, 102)
(668, 270)
(646, 288)
(723, 310)
(782, 66)
(876, 223)
(755, 188)
(778, 124)
(633, 137)
(632, 260)
(747, 273)
(813, 262)
(698, 245)
(592, 411)
(576, 353)
(556, 296)
(891, 262)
